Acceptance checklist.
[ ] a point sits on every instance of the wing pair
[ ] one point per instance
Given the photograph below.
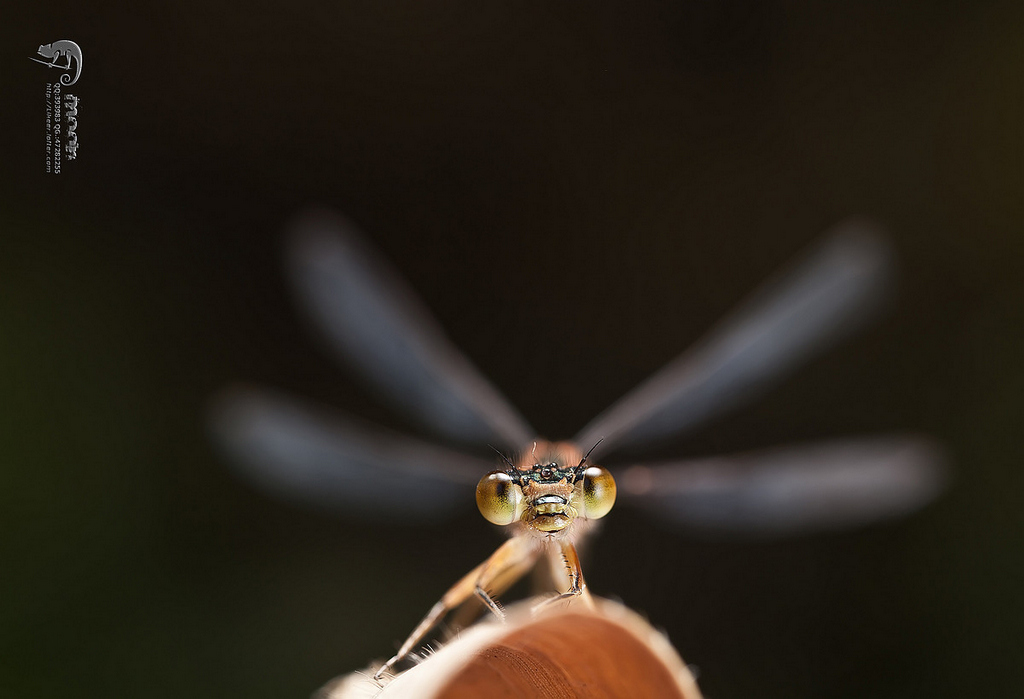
(379, 327)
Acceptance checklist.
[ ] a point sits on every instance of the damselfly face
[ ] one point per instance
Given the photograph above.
(547, 491)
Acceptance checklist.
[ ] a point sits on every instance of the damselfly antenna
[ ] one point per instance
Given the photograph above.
(587, 455)
(504, 457)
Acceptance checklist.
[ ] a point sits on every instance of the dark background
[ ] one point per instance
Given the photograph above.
(578, 192)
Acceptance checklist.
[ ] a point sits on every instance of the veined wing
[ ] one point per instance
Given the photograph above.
(300, 453)
(817, 486)
(382, 329)
(775, 330)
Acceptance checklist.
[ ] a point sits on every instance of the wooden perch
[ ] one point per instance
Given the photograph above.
(577, 651)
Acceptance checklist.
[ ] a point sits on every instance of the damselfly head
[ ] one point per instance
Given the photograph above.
(547, 488)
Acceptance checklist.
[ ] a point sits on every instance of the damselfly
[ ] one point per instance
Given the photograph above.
(549, 496)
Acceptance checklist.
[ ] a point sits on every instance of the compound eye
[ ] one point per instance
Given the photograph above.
(498, 498)
(598, 492)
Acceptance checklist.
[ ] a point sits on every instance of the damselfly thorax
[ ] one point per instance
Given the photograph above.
(551, 493)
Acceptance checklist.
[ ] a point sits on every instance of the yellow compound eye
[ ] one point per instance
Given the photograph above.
(598, 492)
(499, 498)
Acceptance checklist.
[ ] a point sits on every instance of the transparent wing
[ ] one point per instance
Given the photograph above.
(776, 329)
(299, 453)
(381, 328)
(817, 486)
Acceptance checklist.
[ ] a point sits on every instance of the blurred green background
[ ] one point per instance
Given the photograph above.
(578, 192)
